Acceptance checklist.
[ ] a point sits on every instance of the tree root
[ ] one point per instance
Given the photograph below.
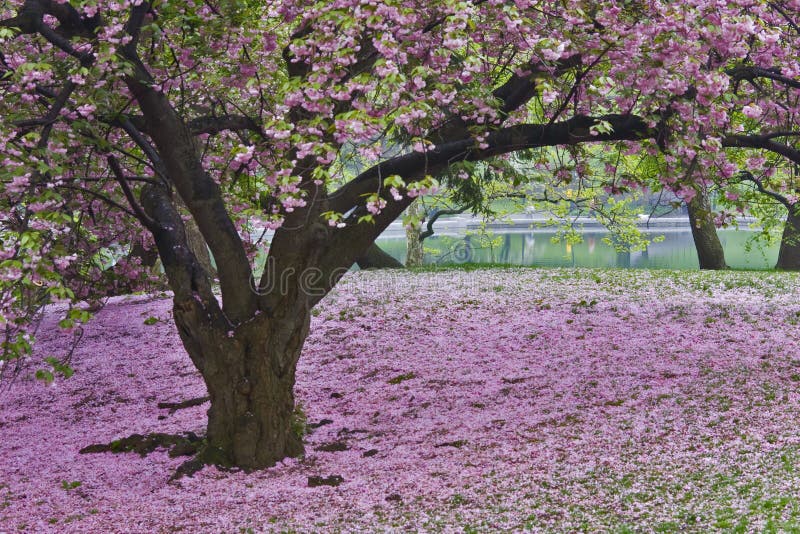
(187, 444)
(333, 480)
(175, 406)
(177, 445)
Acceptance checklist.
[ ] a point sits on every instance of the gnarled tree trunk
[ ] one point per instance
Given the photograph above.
(246, 344)
(248, 366)
(789, 253)
(250, 376)
(704, 232)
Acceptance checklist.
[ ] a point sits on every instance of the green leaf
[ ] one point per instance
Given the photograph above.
(44, 375)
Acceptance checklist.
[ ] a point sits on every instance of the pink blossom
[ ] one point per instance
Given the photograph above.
(520, 387)
(752, 111)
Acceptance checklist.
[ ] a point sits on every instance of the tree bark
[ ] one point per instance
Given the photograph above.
(376, 258)
(414, 250)
(250, 376)
(704, 232)
(789, 253)
(248, 367)
(198, 246)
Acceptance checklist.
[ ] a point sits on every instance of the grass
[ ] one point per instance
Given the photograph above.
(479, 266)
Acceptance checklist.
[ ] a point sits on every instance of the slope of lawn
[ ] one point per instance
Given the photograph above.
(505, 399)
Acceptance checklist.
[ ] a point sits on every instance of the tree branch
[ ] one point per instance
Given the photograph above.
(746, 176)
(201, 194)
(435, 217)
(514, 93)
(751, 72)
(764, 142)
(149, 223)
(186, 275)
(414, 165)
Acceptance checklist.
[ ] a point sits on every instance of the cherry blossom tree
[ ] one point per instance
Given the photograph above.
(768, 153)
(124, 121)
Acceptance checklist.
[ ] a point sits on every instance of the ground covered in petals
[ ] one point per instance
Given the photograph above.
(520, 399)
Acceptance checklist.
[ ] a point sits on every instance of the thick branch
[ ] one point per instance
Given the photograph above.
(751, 72)
(518, 90)
(417, 164)
(201, 194)
(513, 94)
(765, 142)
(134, 25)
(349, 242)
(63, 43)
(186, 276)
(20, 22)
(435, 217)
(780, 133)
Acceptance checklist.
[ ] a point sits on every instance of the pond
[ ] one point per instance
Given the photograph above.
(536, 248)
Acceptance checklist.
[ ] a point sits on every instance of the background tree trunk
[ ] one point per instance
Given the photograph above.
(414, 250)
(198, 247)
(197, 244)
(789, 253)
(704, 232)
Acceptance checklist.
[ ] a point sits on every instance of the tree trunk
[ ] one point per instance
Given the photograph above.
(377, 258)
(789, 253)
(250, 375)
(198, 246)
(704, 232)
(414, 250)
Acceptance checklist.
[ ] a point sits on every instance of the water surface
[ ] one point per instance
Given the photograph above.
(536, 248)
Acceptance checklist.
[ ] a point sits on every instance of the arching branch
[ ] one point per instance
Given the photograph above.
(751, 73)
(578, 129)
(347, 243)
(765, 142)
(747, 176)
